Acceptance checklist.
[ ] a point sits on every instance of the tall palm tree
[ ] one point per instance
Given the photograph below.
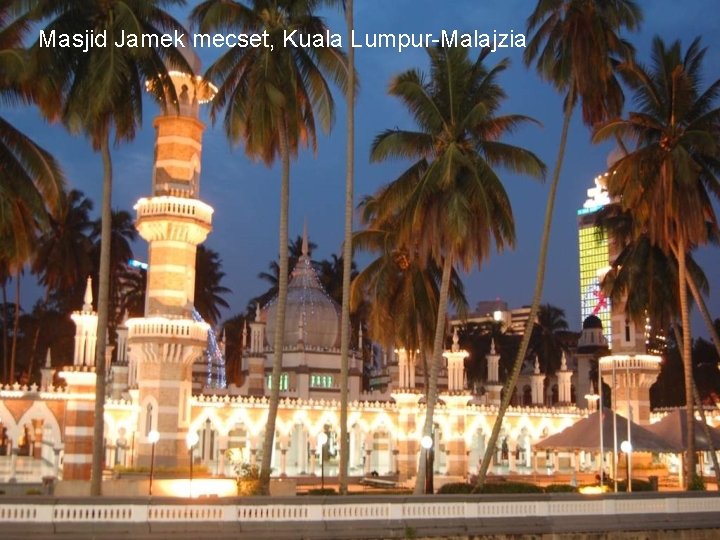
(208, 289)
(99, 93)
(669, 179)
(345, 329)
(575, 46)
(271, 96)
(30, 179)
(452, 206)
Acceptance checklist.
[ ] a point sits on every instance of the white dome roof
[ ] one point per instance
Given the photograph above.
(309, 306)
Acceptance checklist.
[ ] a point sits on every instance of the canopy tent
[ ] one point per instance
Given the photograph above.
(673, 429)
(585, 435)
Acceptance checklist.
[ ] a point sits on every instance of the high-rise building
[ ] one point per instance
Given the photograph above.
(595, 257)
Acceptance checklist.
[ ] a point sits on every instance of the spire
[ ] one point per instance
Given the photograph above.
(48, 359)
(456, 341)
(88, 298)
(305, 248)
(492, 346)
(563, 362)
(257, 311)
(244, 337)
(537, 366)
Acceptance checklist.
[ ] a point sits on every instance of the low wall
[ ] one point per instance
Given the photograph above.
(359, 516)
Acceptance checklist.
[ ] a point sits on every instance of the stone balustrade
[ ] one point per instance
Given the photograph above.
(162, 328)
(371, 517)
(164, 206)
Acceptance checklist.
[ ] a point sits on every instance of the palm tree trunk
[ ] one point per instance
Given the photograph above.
(699, 405)
(537, 295)
(687, 364)
(432, 393)
(5, 335)
(279, 341)
(16, 326)
(98, 448)
(347, 260)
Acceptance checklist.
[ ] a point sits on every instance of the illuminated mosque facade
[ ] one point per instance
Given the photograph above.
(150, 385)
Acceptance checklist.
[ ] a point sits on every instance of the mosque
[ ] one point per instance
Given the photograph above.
(151, 393)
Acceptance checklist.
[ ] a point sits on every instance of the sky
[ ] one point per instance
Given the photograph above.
(245, 195)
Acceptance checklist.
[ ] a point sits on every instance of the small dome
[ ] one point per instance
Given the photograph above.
(592, 322)
(309, 311)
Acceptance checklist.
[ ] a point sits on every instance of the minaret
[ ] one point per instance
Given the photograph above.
(164, 344)
(564, 382)
(537, 381)
(493, 384)
(456, 364)
(85, 330)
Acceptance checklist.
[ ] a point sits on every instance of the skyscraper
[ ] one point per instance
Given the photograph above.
(595, 257)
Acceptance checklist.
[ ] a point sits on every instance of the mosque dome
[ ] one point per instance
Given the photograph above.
(592, 322)
(309, 311)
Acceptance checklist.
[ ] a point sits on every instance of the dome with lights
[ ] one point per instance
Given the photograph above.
(311, 316)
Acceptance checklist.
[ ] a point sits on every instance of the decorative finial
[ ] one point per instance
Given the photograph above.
(537, 366)
(360, 337)
(456, 340)
(563, 362)
(305, 248)
(88, 298)
(492, 346)
(48, 359)
(257, 311)
(244, 336)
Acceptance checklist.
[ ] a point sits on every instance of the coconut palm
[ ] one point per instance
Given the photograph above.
(345, 329)
(669, 179)
(63, 257)
(271, 97)
(575, 45)
(208, 289)
(30, 179)
(451, 205)
(99, 93)
(402, 294)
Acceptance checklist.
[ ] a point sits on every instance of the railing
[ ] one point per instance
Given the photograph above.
(174, 206)
(160, 327)
(704, 506)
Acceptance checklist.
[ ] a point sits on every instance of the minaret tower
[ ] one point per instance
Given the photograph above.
(164, 343)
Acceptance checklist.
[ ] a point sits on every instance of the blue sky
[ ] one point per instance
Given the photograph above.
(245, 195)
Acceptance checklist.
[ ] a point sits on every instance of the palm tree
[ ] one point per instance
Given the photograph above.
(452, 205)
(64, 252)
(667, 181)
(402, 293)
(345, 329)
(575, 47)
(99, 93)
(208, 289)
(30, 179)
(271, 96)
(550, 323)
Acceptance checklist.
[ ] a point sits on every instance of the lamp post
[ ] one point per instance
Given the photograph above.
(626, 447)
(191, 439)
(322, 439)
(427, 443)
(153, 438)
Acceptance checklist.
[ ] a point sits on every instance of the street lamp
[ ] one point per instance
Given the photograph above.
(626, 448)
(427, 443)
(153, 438)
(191, 439)
(322, 439)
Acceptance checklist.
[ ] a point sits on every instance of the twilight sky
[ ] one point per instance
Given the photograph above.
(245, 195)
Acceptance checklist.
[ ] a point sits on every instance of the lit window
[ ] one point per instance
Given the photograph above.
(284, 382)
